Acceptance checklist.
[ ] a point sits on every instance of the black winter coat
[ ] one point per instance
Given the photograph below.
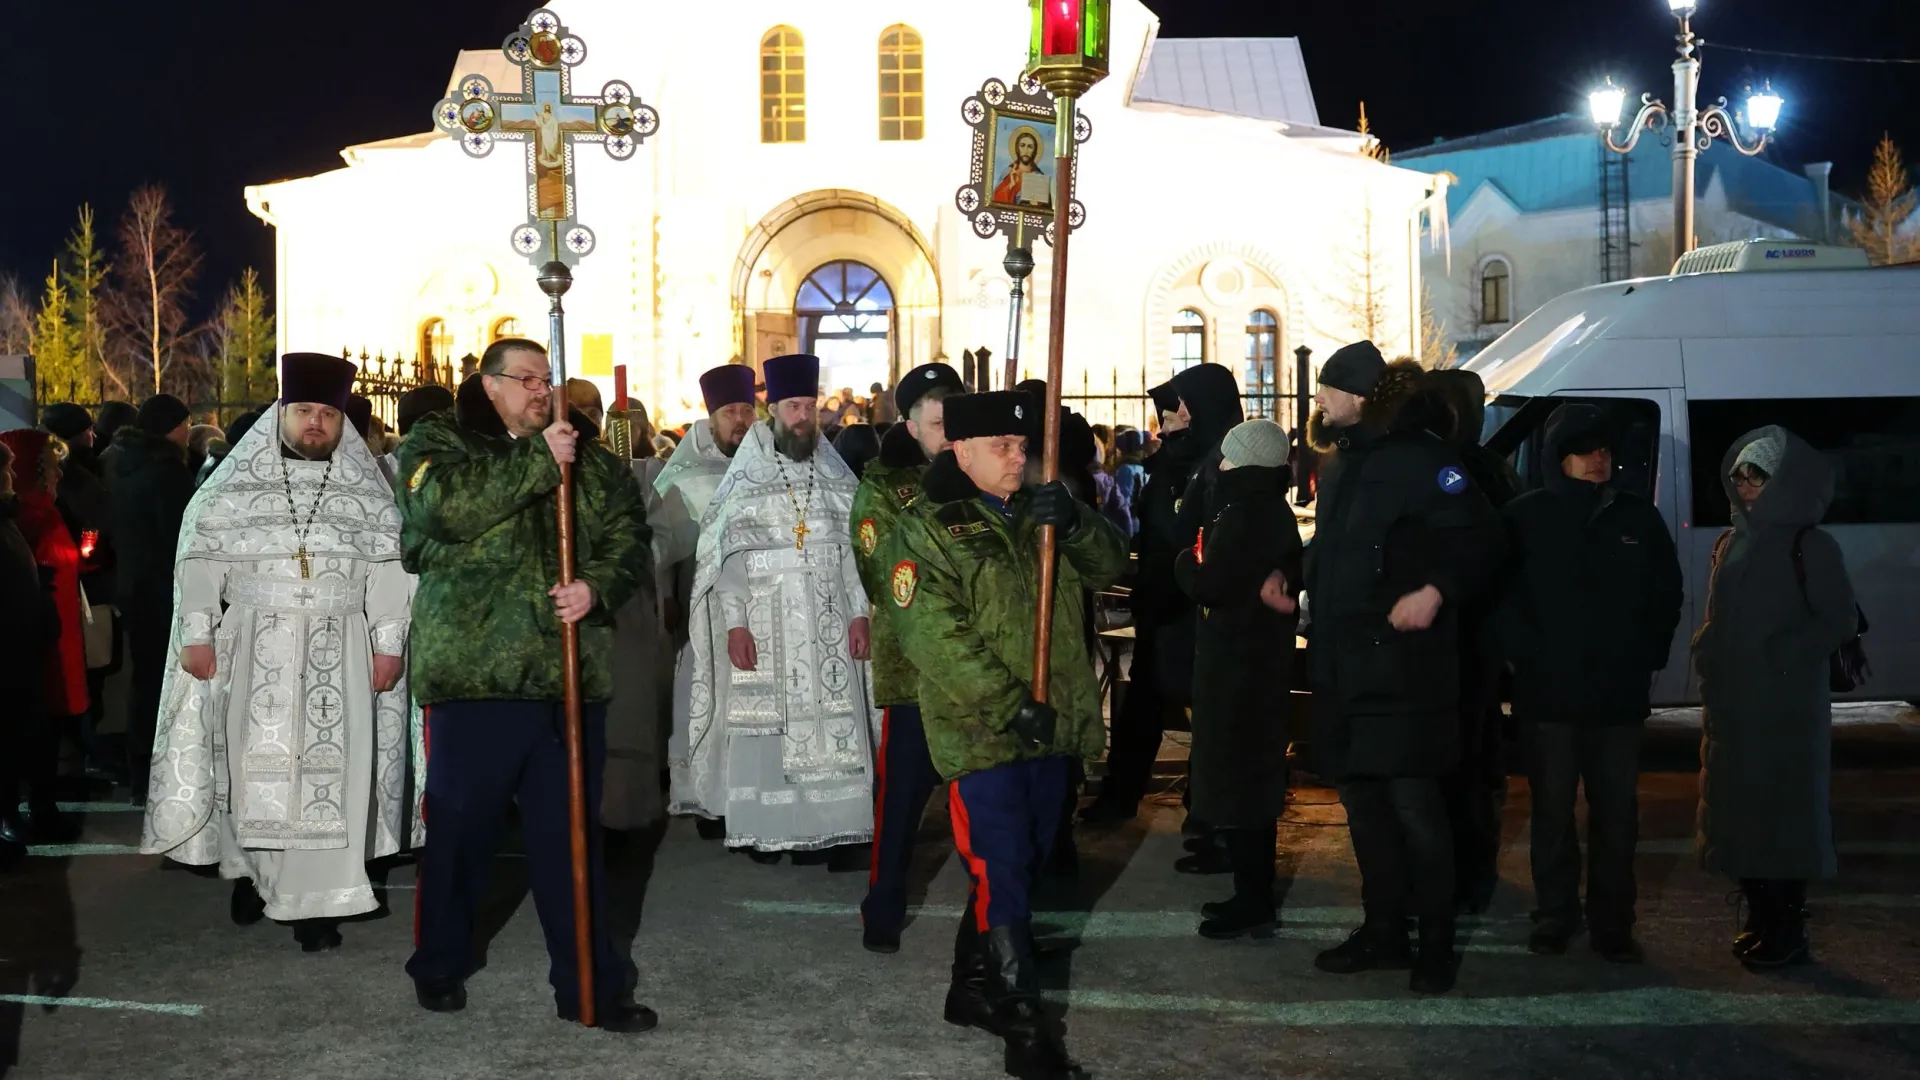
(1243, 658)
(1396, 512)
(30, 626)
(1592, 597)
(1156, 600)
(150, 486)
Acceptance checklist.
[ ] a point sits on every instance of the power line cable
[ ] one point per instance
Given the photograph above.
(1809, 56)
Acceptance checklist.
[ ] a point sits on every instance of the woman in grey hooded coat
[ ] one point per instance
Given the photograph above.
(1773, 619)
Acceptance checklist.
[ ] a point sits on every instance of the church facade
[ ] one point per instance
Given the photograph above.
(800, 196)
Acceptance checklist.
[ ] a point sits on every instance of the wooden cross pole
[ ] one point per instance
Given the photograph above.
(1064, 143)
(551, 121)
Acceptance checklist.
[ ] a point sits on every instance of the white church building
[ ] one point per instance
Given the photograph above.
(799, 195)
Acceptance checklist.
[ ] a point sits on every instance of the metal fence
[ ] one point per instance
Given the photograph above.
(1133, 406)
(380, 380)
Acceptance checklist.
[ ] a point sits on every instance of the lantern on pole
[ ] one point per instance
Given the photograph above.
(1067, 54)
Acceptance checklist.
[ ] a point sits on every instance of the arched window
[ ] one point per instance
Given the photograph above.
(1496, 292)
(902, 74)
(436, 342)
(504, 327)
(1263, 365)
(1189, 339)
(783, 86)
(845, 312)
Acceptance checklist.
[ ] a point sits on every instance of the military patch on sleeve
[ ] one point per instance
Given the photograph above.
(1453, 480)
(869, 535)
(906, 578)
(971, 528)
(419, 476)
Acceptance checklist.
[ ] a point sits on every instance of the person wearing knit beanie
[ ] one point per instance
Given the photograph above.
(68, 421)
(1355, 368)
(1256, 443)
(165, 416)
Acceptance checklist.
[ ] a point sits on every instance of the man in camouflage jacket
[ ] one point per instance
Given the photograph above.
(477, 525)
(963, 582)
(906, 773)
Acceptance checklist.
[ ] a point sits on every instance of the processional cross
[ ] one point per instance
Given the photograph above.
(551, 121)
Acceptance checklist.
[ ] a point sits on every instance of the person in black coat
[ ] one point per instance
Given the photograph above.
(1403, 543)
(1587, 617)
(29, 628)
(1243, 574)
(151, 486)
(1476, 787)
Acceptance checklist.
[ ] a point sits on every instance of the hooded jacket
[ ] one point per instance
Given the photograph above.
(149, 486)
(478, 527)
(963, 582)
(1762, 656)
(1397, 511)
(1212, 398)
(890, 484)
(1592, 594)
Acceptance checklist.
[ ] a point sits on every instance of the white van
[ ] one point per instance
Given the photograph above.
(1688, 363)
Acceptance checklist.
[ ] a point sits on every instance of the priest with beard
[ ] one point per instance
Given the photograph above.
(282, 751)
(775, 732)
(685, 488)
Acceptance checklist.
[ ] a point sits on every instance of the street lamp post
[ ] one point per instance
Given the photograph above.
(1694, 129)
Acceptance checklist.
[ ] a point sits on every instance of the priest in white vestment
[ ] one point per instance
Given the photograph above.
(283, 751)
(773, 720)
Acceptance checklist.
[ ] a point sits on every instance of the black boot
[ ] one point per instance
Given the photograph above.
(317, 935)
(1251, 909)
(1380, 943)
(1434, 967)
(1783, 938)
(1209, 855)
(968, 1002)
(1754, 893)
(1034, 1048)
(710, 828)
(246, 907)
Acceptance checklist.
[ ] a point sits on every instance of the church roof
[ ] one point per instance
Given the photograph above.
(1554, 164)
(1261, 78)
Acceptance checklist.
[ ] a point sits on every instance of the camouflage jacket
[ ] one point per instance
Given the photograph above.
(963, 580)
(477, 526)
(890, 485)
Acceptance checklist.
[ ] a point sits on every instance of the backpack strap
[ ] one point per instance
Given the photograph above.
(1720, 547)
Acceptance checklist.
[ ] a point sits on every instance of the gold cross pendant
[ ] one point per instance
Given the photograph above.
(306, 561)
(800, 532)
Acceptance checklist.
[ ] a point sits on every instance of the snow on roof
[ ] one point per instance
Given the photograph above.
(1261, 78)
(493, 63)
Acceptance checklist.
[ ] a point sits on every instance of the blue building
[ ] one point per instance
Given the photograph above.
(1542, 208)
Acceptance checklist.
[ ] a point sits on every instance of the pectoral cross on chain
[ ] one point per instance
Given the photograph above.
(800, 532)
(306, 561)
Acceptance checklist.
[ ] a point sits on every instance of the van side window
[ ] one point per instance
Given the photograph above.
(1873, 445)
(1520, 436)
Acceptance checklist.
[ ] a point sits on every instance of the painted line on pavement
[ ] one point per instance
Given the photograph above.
(1858, 847)
(103, 1003)
(93, 808)
(61, 851)
(1649, 1007)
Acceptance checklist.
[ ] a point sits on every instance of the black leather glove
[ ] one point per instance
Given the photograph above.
(1033, 723)
(1053, 504)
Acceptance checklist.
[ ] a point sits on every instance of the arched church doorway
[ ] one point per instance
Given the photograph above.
(844, 312)
(845, 275)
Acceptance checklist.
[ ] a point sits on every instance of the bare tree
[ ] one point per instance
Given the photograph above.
(1361, 295)
(16, 316)
(1882, 226)
(1436, 351)
(153, 278)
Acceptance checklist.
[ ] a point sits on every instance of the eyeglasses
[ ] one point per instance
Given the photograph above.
(1748, 479)
(534, 384)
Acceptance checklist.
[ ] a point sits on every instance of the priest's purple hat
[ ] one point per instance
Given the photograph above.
(728, 384)
(359, 413)
(316, 377)
(796, 376)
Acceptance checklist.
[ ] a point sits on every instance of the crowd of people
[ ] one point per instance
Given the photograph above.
(802, 614)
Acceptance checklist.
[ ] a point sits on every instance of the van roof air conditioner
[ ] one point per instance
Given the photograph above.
(1745, 255)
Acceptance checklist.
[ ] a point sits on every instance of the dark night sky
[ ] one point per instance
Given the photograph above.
(211, 95)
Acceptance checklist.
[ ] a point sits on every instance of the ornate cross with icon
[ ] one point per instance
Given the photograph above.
(550, 121)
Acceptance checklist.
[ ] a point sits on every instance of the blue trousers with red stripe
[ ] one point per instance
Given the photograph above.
(482, 756)
(1004, 823)
(906, 779)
